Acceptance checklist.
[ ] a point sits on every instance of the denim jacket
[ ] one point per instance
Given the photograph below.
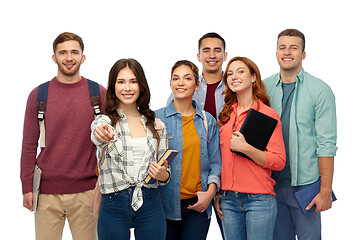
(210, 156)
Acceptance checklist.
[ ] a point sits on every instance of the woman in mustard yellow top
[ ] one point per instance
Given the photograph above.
(195, 176)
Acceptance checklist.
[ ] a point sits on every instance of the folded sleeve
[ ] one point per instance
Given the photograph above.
(275, 150)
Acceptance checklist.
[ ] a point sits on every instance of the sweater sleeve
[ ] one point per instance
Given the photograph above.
(29, 143)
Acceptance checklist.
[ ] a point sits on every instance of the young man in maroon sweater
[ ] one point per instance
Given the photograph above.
(68, 160)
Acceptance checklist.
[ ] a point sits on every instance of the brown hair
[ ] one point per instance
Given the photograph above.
(142, 102)
(189, 64)
(258, 89)
(293, 33)
(68, 36)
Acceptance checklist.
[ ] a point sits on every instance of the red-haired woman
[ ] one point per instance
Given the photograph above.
(247, 202)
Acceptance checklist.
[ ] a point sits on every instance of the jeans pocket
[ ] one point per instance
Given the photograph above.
(108, 198)
(151, 193)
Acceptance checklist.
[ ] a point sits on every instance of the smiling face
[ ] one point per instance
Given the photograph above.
(68, 56)
(290, 54)
(239, 78)
(183, 82)
(126, 87)
(212, 55)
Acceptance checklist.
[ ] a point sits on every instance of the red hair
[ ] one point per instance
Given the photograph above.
(258, 89)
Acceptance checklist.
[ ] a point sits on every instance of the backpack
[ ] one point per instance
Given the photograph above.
(41, 104)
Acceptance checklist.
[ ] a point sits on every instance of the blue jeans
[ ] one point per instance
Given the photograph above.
(248, 216)
(218, 220)
(291, 221)
(116, 216)
(193, 225)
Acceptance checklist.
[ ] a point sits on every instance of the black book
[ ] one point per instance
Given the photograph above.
(257, 130)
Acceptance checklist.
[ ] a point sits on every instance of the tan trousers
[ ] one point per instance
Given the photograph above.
(53, 209)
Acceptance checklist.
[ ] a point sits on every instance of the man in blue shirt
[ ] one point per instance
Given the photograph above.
(308, 115)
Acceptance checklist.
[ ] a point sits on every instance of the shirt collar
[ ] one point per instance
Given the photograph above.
(121, 113)
(170, 109)
(299, 77)
(256, 105)
(202, 80)
(123, 116)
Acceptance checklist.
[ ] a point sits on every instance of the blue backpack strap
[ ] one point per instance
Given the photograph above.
(41, 104)
(95, 97)
(41, 96)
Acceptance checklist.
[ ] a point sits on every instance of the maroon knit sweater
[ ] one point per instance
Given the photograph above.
(68, 161)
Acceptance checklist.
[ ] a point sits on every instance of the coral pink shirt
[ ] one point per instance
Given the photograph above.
(240, 174)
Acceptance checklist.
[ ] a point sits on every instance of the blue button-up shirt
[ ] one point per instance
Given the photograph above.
(312, 127)
(210, 156)
(199, 95)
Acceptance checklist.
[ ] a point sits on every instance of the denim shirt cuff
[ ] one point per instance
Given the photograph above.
(216, 180)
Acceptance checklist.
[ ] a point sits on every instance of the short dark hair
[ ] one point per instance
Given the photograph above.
(293, 33)
(67, 36)
(211, 35)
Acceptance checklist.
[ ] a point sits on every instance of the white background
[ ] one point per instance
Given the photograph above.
(157, 34)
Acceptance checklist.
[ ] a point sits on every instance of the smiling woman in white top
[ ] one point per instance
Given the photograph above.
(132, 145)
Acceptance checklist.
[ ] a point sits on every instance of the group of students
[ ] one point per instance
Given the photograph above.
(130, 138)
